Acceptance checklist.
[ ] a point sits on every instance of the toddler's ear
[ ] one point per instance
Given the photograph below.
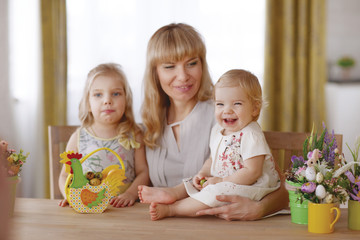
(256, 110)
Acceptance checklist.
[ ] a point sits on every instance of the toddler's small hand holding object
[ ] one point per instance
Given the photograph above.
(197, 180)
(202, 181)
(211, 180)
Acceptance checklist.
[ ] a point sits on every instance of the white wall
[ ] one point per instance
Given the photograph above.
(6, 126)
(343, 99)
(343, 34)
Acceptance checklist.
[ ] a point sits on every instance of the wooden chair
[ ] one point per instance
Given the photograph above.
(58, 138)
(284, 145)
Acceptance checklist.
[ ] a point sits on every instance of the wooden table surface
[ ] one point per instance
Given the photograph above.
(43, 219)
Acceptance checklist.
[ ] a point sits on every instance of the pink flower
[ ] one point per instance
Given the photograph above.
(308, 187)
(301, 171)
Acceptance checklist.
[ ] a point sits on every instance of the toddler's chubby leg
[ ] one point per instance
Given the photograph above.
(187, 207)
(161, 195)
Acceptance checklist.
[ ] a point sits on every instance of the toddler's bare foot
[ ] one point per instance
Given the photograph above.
(159, 211)
(158, 195)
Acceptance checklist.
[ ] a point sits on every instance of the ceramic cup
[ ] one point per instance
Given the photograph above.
(354, 215)
(321, 217)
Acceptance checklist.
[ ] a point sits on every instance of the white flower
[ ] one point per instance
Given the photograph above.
(302, 173)
(329, 198)
(336, 150)
(320, 191)
(319, 177)
(310, 173)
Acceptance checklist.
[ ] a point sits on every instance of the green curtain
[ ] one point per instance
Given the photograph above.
(54, 64)
(295, 65)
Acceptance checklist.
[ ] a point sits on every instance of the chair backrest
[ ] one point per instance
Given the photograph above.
(284, 145)
(58, 138)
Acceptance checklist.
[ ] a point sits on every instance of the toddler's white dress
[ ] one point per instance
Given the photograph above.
(228, 154)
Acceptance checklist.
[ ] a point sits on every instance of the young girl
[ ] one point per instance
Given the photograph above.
(107, 120)
(240, 163)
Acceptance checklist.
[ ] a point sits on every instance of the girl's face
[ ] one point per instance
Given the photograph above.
(233, 108)
(180, 80)
(107, 99)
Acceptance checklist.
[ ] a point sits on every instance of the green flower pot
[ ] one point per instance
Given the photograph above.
(354, 215)
(299, 211)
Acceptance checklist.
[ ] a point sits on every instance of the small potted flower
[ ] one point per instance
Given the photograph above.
(11, 163)
(310, 178)
(350, 173)
(346, 63)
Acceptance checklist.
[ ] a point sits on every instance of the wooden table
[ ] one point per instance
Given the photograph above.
(43, 219)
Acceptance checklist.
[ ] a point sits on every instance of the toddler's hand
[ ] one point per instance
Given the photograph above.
(212, 180)
(196, 180)
(63, 203)
(123, 200)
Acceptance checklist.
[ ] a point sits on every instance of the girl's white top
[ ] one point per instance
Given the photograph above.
(229, 154)
(168, 164)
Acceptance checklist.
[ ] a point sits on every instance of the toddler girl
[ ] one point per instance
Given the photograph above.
(107, 120)
(240, 163)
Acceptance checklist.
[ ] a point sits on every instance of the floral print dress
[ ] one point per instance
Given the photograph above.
(228, 155)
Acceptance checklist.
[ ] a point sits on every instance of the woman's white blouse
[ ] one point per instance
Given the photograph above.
(169, 165)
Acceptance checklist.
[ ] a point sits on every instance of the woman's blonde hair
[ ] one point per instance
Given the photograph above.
(171, 43)
(127, 123)
(247, 81)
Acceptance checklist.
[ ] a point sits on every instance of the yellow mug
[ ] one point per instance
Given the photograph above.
(321, 217)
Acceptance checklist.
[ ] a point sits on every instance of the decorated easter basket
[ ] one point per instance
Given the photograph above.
(91, 194)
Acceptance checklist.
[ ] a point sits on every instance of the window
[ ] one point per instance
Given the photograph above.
(118, 31)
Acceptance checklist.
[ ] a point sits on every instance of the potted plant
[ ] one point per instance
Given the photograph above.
(350, 173)
(310, 178)
(11, 163)
(346, 63)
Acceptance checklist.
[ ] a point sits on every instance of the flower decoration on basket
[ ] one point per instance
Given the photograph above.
(315, 171)
(14, 161)
(349, 171)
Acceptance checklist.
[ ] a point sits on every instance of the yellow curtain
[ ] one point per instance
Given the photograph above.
(54, 63)
(295, 65)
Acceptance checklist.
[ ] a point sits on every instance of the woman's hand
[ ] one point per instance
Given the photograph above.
(240, 208)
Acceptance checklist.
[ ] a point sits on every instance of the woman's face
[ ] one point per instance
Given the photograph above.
(180, 80)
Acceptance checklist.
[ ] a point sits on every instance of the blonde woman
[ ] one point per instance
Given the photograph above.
(178, 115)
(107, 120)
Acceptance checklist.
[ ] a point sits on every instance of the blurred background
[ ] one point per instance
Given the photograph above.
(47, 48)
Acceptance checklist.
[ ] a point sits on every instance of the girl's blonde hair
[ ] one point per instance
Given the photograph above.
(247, 81)
(171, 43)
(127, 123)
